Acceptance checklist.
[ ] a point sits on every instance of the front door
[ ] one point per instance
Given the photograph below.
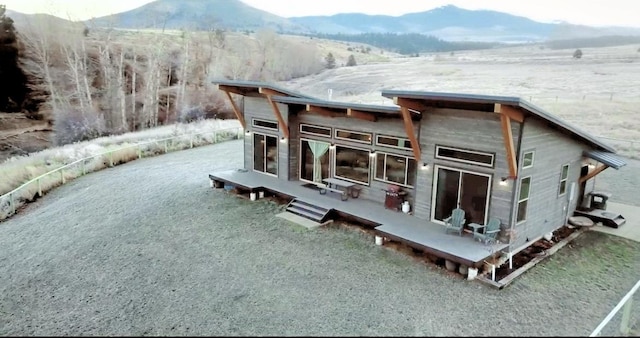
(454, 188)
(314, 160)
(265, 153)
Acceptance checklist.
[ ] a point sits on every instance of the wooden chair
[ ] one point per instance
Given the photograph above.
(491, 231)
(455, 222)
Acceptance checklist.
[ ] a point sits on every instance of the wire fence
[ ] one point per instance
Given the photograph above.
(36, 187)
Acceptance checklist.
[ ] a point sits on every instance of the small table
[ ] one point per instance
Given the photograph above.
(335, 183)
(475, 226)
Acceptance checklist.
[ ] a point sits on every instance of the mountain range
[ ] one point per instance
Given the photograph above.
(447, 22)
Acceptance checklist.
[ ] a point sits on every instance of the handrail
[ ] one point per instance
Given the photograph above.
(10, 194)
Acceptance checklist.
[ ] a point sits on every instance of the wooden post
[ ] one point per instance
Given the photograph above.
(62, 176)
(626, 316)
(191, 141)
(111, 158)
(13, 206)
(166, 146)
(39, 188)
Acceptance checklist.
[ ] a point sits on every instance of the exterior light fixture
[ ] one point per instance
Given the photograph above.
(372, 153)
(283, 139)
(425, 166)
(503, 181)
(332, 146)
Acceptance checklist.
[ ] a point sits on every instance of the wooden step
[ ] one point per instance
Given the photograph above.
(308, 210)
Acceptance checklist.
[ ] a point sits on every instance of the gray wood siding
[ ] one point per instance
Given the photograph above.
(259, 107)
(479, 131)
(546, 210)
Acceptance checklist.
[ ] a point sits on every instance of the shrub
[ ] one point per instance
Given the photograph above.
(352, 61)
(191, 115)
(577, 54)
(73, 126)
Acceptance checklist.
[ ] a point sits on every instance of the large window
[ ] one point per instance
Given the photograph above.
(314, 160)
(455, 188)
(395, 169)
(352, 164)
(523, 198)
(353, 136)
(564, 175)
(466, 156)
(265, 153)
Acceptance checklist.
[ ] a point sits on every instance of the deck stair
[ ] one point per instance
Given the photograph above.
(308, 210)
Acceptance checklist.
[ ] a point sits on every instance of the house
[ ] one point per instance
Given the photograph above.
(492, 156)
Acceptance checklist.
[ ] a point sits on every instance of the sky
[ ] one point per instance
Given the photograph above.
(586, 12)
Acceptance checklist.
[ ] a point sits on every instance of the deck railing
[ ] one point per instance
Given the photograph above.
(11, 201)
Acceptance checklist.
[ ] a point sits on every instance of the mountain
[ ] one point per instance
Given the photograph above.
(196, 15)
(447, 22)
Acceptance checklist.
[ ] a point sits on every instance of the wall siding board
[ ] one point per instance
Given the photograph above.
(546, 210)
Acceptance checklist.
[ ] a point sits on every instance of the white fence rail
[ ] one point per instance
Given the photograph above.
(10, 201)
(626, 321)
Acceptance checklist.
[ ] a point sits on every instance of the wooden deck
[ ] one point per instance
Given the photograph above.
(418, 233)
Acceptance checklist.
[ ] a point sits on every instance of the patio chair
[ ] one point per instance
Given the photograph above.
(455, 222)
(490, 233)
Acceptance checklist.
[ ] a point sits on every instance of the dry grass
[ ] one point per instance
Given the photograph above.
(119, 149)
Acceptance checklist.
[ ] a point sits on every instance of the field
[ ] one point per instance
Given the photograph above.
(596, 92)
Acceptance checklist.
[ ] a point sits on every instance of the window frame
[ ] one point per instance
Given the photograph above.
(487, 165)
(520, 200)
(524, 156)
(336, 130)
(406, 169)
(378, 136)
(562, 189)
(253, 124)
(334, 161)
(302, 125)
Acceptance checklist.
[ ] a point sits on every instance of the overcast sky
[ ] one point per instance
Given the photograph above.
(587, 12)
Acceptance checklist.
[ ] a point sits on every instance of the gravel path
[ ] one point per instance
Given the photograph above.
(147, 248)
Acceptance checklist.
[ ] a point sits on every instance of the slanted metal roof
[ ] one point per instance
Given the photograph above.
(252, 88)
(606, 157)
(383, 110)
(529, 108)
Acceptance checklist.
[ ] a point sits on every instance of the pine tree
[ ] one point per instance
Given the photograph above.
(330, 60)
(352, 61)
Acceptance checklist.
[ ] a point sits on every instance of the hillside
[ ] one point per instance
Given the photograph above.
(446, 22)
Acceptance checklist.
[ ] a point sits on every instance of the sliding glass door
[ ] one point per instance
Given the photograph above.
(454, 188)
(265, 153)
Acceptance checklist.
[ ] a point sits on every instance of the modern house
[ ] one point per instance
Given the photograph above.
(492, 156)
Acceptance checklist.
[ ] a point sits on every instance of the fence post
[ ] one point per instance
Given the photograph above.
(111, 158)
(84, 169)
(39, 188)
(139, 152)
(13, 206)
(215, 136)
(626, 316)
(62, 176)
(190, 140)
(166, 142)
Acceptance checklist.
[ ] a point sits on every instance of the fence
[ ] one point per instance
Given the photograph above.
(35, 187)
(625, 323)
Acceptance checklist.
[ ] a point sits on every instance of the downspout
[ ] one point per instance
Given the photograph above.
(514, 191)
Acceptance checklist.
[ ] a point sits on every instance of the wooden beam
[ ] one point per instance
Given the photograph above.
(408, 126)
(409, 103)
(323, 111)
(281, 122)
(593, 173)
(271, 92)
(237, 111)
(513, 113)
(508, 145)
(232, 89)
(358, 114)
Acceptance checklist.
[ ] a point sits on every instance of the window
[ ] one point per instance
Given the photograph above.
(315, 130)
(523, 199)
(353, 136)
(395, 169)
(352, 164)
(564, 175)
(265, 124)
(265, 153)
(394, 142)
(527, 160)
(466, 156)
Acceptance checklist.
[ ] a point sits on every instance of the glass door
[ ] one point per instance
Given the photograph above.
(455, 188)
(265, 153)
(314, 160)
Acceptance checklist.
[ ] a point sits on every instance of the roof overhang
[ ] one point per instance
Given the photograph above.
(606, 158)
